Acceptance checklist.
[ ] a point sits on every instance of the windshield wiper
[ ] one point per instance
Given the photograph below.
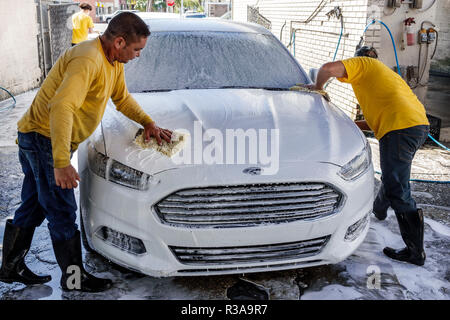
(223, 87)
(264, 88)
(156, 90)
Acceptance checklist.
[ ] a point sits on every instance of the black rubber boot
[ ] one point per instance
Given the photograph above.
(381, 215)
(68, 254)
(411, 229)
(16, 244)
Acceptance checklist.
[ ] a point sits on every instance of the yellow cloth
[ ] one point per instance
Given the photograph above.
(301, 87)
(81, 23)
(71, 101)
(386, 101)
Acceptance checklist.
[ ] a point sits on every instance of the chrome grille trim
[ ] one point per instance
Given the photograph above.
(248, 205)
(259, 268)
(250, 254)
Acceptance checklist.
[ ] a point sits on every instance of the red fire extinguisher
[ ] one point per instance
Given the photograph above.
(409, 31)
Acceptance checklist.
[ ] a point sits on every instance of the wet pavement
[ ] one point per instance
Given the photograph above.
(366, 274)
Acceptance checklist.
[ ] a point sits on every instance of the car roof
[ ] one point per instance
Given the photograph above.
(215, 25)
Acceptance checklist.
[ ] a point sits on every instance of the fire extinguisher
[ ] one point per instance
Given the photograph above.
(409, 31)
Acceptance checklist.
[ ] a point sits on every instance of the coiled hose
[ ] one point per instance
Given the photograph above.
(11, 106)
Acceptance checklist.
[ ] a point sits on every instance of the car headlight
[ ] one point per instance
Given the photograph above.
(358, 165)
(115, 171)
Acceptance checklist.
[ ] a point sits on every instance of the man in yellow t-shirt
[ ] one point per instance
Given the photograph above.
(82, 24)
(398, 119)
(66, 110)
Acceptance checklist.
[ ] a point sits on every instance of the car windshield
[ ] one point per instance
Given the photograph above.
(208, 60)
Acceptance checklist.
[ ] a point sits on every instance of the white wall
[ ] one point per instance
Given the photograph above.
(410, 55)
(441, 61)
(19, 63)
(313, 47)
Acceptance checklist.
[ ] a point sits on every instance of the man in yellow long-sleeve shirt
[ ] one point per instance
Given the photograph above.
(66, 110)
(399, 122)
(82, 24)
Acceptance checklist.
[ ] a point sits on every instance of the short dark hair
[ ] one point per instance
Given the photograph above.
(85, 6)
(128, 26)
(366, 51)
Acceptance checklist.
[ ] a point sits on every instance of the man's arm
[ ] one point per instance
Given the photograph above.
(126, 104)
(327, 71)
(68, 98)
(91, 30)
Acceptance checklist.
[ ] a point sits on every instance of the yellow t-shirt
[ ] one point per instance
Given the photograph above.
(386, 101)
(71, 101)
(81, 23)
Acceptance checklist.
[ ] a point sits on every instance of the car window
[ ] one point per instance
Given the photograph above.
(202, 60)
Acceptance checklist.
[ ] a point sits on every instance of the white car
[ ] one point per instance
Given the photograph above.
(268, 179)
(107, 17)
(158, 15)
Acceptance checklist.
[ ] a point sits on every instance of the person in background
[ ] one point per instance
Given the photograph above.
(82, 24)
(398, 119)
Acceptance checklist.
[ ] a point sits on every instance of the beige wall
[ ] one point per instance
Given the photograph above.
(19, 63)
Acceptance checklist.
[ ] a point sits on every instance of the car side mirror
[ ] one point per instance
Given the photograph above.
(313, 74)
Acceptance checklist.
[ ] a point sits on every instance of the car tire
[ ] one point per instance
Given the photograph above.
(83, 235)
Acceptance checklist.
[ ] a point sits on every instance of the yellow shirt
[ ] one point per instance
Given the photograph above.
(386, 101)
(71, 101)
(81, 23)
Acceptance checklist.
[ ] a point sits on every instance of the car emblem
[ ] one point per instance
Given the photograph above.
(254, 171)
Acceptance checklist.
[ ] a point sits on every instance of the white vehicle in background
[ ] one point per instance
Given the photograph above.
(158, 15)
(107, 17)
(309, 205)
(193, 15)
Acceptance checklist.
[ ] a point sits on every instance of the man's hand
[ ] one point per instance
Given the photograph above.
(152, 130)
(67, 177)
(312, 87)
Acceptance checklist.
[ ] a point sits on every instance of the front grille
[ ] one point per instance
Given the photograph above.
(250, 254)
(248, 205)
(214, 270)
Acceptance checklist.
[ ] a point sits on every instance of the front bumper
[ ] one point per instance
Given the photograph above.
(131, 212)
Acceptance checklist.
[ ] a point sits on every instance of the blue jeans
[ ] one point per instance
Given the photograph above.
(397, 150)
(41, 197)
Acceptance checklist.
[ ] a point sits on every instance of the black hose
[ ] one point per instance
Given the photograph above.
(435, 46)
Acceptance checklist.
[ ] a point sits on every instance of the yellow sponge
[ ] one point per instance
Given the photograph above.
(300, 87)
(168, 149)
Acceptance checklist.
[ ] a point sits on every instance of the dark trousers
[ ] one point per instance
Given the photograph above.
(41, 197)
(397, 150)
